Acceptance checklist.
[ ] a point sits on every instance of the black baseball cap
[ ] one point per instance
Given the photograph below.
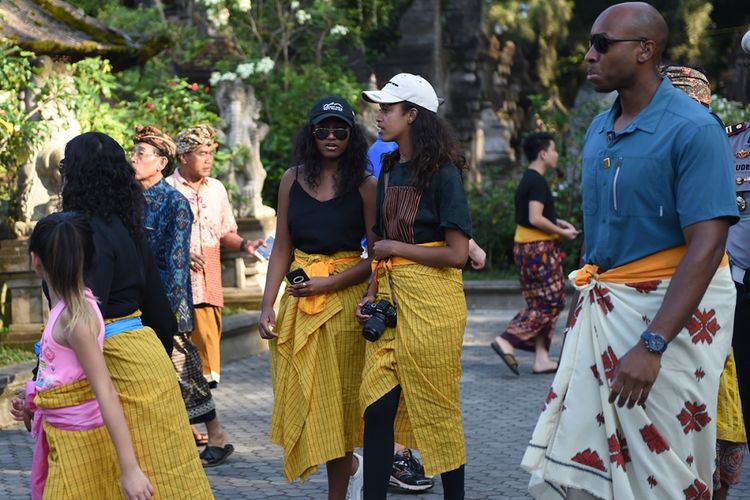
(332, 106)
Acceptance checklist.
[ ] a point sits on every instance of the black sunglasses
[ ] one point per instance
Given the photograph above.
(321, 134)
(601, 42)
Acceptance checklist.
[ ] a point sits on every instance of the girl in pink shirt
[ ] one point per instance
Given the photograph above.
(73, 390)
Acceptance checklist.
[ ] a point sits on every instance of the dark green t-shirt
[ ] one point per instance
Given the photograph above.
(408, 215)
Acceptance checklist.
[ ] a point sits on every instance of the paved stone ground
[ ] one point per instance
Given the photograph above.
(500, 411)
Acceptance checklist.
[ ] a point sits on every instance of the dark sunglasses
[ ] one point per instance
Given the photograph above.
(321, 134)
(601, 42)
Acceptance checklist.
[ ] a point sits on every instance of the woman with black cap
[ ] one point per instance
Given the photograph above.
(410, 383)
(326, 204)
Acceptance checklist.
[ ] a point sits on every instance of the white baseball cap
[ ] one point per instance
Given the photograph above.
(405, 87)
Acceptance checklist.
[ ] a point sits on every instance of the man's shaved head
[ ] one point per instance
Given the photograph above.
(639, 19)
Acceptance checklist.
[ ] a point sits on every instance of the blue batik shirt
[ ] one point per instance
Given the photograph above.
(168, 219)
(668, 169)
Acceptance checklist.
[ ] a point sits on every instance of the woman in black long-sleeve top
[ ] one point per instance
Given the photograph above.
(99, 182)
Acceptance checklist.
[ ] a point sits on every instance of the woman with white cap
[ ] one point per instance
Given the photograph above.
(410, 385)
(326, 204)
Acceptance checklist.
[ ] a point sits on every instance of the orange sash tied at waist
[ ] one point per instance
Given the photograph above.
(394, 261)
(652, 267)
(321, 266)
(525, 234)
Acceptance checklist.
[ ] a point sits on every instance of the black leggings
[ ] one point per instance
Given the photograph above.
(378, 451)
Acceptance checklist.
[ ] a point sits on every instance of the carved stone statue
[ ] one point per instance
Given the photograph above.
(240, 111)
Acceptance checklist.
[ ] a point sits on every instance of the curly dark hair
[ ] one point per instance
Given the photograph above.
(352, 164)
(433, 144)
(98, 180)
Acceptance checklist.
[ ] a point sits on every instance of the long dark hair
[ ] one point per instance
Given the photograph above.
(433, 144)
(64, 243)
(352, 164)
(98, 180)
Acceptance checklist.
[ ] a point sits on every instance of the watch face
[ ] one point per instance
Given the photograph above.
(656, 343)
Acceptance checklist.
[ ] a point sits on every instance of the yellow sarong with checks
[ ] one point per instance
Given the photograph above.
(82, 463)
(145, 380)
(422, 354)
(316, 366)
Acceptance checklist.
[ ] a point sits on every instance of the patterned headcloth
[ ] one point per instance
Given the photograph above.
(155, 137)
(691, 81)
(201, 135)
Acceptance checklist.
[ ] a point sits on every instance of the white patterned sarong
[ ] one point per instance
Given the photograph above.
(665, 450)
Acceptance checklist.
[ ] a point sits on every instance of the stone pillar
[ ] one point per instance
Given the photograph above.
(25, 308)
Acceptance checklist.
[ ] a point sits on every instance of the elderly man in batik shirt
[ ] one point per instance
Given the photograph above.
(213, 226)
(167, 220)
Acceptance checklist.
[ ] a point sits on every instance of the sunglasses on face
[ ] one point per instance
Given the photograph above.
(321, 134)
(601, 42)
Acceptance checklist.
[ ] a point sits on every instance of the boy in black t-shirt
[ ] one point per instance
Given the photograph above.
(537, 259)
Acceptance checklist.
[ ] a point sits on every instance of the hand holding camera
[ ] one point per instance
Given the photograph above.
(382, 315)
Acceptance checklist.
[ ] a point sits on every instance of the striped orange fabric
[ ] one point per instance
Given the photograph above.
(316, 364)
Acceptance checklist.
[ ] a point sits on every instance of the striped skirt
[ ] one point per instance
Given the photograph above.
(422, 354)
(145, 381)
(316, 365)
(79, 463)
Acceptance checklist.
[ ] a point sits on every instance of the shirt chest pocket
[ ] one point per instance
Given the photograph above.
(590, 193)
(642, 187)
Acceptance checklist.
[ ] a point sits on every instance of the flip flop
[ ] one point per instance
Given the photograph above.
(543, 372)
(201, 439)
(508, 358)
(214, 455)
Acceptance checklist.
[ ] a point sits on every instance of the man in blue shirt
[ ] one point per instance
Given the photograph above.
(626, 417)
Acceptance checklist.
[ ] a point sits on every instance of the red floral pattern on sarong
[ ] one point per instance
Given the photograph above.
(697, 491)
(645, 286)
(618, 450)
(653, 439)
(703, 326)
(693, 417)
(595, 371)
(589, 458)
(699, 374)
(600, 295)
(600, 418)
(652, 481)
(550, 396)
(609, 360)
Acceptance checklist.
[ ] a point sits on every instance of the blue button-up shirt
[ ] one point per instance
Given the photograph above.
(668, 169)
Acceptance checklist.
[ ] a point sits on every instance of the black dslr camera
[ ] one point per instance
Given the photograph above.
(383, 315)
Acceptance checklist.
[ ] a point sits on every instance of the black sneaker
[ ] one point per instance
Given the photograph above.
(407, 473)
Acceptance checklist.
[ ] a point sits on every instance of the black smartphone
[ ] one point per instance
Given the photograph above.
(297, 276)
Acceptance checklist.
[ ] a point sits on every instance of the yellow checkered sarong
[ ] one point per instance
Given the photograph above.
(82, 464)
(422, 354)
(145, 381)
(316, 365)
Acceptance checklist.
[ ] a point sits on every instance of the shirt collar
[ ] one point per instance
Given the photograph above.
(181, 180)
(649, 117)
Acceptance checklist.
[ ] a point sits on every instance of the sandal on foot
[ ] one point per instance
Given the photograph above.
(214, 455)
(508, 358)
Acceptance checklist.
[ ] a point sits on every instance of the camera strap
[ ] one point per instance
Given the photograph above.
(382, 264)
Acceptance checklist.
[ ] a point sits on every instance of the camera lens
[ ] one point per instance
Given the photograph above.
(298, 279)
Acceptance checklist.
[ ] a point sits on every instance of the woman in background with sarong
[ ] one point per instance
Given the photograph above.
(410, 384)
(168, 219)
(537, 259)
(99, 182)
(326, 205)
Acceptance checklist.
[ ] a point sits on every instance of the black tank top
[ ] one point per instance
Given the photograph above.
(325, 227)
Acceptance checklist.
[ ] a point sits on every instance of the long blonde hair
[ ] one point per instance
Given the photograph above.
(64, 243)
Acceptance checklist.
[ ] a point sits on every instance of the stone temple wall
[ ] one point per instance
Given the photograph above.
(449, 44)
